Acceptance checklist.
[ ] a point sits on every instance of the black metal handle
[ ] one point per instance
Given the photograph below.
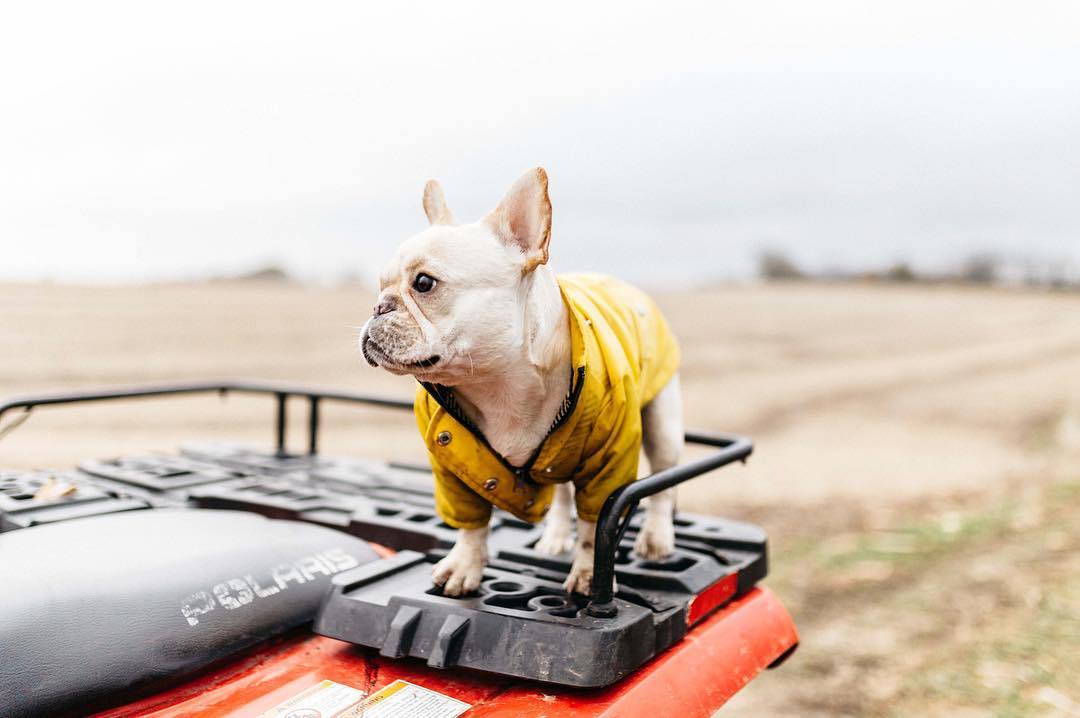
(282, 391)
(619, 508)
(611, 524)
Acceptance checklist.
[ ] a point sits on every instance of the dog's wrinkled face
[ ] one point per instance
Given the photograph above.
(451, 302)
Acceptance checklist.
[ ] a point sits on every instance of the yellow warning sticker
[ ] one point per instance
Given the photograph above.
(401, 699)
(325, 699)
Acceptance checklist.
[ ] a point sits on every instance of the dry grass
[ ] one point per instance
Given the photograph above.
(917, 456)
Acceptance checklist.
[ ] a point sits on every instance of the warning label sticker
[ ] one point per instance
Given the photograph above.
(405, 700)
(325, 699)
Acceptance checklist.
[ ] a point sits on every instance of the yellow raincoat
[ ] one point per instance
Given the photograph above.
(623, 355)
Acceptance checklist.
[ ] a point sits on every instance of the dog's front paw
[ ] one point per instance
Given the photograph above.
(556, 539)
(459, 573)
(579, 580)
(656, 540)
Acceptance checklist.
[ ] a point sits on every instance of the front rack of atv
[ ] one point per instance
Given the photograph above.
(615, 516)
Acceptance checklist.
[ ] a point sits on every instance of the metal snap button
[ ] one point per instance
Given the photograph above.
(443, 438)
(490, 484)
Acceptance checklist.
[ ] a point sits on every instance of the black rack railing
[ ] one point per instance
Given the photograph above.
(614, 516)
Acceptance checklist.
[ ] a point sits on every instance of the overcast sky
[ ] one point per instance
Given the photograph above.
(151, 141)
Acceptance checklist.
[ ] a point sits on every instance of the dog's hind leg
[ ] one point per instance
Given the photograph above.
(663, 441)
(558, 538)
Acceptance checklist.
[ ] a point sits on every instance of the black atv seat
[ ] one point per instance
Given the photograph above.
(92, 606)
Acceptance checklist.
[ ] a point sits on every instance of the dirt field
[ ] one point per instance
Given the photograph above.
(917, 465)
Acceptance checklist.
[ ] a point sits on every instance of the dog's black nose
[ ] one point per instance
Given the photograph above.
(386, 305)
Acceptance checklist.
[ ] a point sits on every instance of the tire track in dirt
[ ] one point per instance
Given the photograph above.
(871, 391)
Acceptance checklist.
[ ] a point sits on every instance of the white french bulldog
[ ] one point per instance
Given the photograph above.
(476, 308)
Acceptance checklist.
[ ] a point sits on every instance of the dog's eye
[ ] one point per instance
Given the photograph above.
(424, 283)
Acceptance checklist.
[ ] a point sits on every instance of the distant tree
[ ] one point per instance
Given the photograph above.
(270, 273)
(900, 272)
(774, 265)
(980, 269)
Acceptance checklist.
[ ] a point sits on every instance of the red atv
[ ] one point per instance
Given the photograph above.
(222, 581)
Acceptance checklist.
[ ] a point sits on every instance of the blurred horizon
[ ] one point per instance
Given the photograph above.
(144, 144)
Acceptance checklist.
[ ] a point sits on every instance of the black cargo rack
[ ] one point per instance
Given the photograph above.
(391, 605)
(611, 524)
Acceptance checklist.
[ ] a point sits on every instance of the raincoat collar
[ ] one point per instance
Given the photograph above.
(444, 395)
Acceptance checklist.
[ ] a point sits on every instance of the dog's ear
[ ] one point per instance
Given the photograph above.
(435, 204)
(523, 218)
